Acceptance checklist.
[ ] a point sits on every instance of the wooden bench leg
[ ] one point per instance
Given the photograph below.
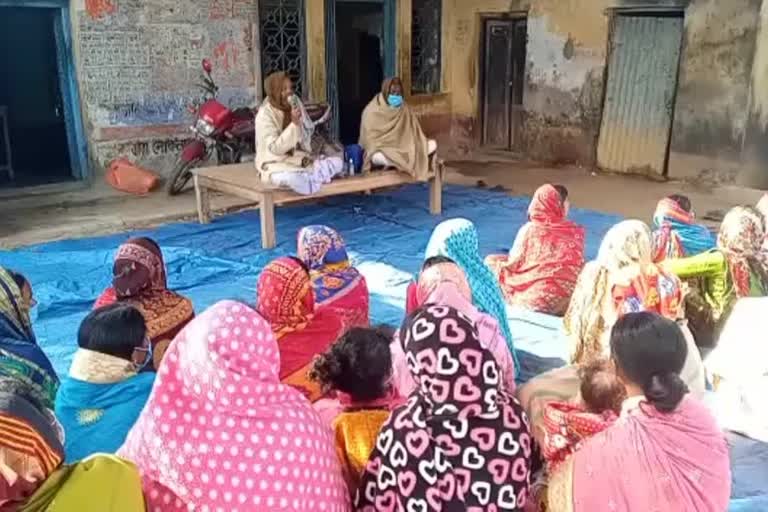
(267, 215)
(436, 192)
(203, 197)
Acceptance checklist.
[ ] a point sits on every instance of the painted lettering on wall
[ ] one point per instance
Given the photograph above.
(236, 9)
(140, 59)
(225, 56)
(144, 149)
(152, 111)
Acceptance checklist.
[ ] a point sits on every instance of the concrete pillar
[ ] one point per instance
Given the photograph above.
(754, 172)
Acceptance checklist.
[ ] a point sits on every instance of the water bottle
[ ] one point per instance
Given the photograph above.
(351, 167)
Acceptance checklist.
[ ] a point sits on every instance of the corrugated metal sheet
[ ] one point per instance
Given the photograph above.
(642, 77)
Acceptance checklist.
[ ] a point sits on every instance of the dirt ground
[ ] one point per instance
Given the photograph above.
(99, 210)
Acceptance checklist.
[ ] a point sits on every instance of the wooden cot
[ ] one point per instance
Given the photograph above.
(242, 180)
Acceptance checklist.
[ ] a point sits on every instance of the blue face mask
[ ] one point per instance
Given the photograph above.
(395, 100)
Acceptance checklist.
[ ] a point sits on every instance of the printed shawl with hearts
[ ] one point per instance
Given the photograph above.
(459, 443)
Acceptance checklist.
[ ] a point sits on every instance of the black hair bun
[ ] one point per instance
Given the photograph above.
(665, 391)
(326, 368)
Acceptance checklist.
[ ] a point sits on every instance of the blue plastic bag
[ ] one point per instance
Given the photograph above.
(354, 152)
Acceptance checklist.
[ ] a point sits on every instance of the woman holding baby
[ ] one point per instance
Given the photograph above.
(621, 429)
(662, 449)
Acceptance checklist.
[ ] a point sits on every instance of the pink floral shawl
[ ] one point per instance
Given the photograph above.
(652, 461)
(220, 432)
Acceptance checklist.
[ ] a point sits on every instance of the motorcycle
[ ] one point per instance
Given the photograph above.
(230, 135)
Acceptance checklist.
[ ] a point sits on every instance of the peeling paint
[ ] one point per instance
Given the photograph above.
(563, 89)
(715, 75)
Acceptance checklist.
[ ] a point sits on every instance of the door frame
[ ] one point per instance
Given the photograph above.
(331, 61)
(483, 19)
(70, 94)
(676, 9)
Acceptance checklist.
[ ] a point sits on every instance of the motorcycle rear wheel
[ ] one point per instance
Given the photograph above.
(182, 173)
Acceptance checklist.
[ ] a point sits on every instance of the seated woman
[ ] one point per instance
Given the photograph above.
(357, 368)
(283, 141)
(337, 284)
(31, 444)
(32, 477)
(676, 234)
(220, 432)
(102, 397)
(285, 299)
(460, 443)
(446, 284)
(139, 279)
(457, 239)
(21, 357)
(622, 280)
(391, 135)
(541, 269)
(737, 268)
(666, 452)
(739, 370)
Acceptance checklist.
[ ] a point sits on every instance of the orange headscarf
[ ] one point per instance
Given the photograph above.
(546, 206)
(284, 296)
(286, 300)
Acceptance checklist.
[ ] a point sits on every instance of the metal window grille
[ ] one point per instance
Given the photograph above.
(283, 44)
(426, 16)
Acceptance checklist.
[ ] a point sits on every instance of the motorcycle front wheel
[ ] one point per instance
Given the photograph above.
(182, 173)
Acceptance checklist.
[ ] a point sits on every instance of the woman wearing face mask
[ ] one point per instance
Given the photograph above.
(100, 400)
(283, 141)
(391, 135)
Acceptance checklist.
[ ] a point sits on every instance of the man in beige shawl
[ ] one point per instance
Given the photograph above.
(391, 134)
(283, 141)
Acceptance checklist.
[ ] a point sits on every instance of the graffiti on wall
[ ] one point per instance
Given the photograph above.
(140, 59)
(99, 8)
(115, 67)
(160, 147)
(237, 9)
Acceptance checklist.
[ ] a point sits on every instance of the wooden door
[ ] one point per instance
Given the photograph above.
(504, 57)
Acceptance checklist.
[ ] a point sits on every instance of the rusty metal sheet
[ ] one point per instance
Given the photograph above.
(640, 92)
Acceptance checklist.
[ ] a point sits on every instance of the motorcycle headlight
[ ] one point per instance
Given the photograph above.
(204, 127)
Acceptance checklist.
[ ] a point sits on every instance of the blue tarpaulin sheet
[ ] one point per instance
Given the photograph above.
(386, 235)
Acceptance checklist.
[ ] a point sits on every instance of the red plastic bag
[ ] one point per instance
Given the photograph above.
(125, 176)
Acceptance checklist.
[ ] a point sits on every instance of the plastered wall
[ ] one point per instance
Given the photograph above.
(563, 90)
(713, 97)
(138, 65)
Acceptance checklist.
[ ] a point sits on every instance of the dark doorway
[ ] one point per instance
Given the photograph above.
(359, 62)
(31, 97)
(503, 81)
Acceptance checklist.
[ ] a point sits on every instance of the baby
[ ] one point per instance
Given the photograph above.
(567, 425)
